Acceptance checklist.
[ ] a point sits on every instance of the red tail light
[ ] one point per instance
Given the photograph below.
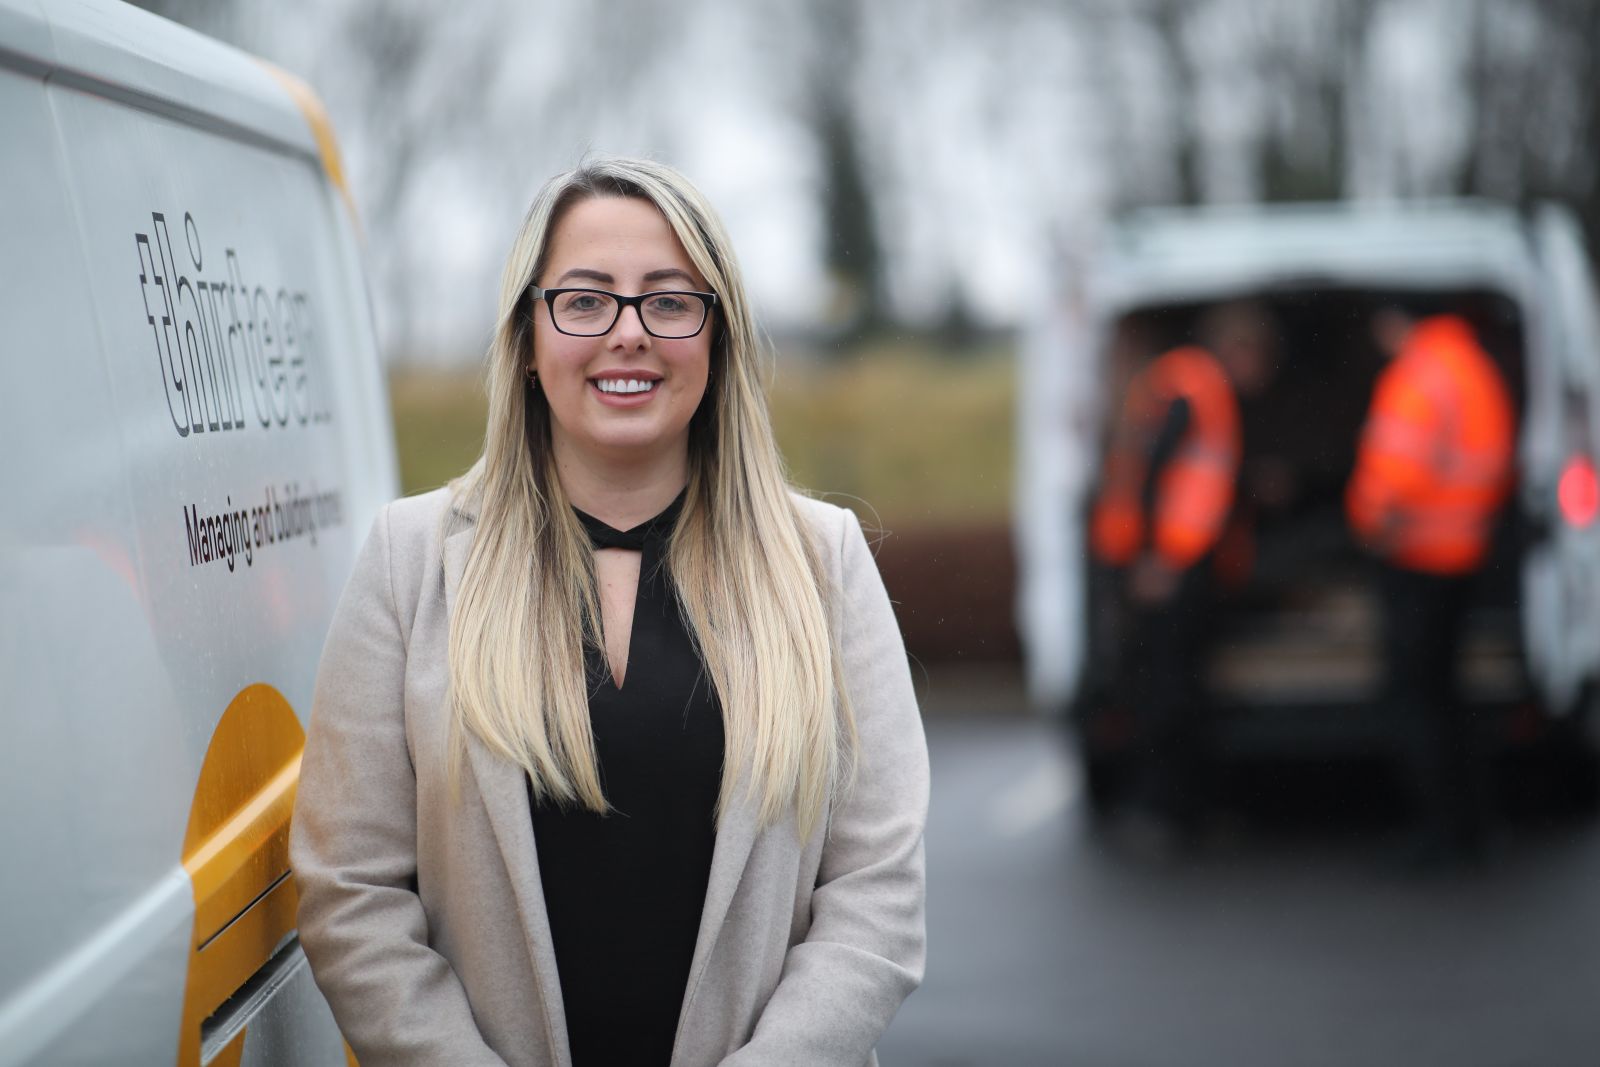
(1579, 491)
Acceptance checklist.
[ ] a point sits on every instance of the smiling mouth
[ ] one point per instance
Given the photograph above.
(625, 386)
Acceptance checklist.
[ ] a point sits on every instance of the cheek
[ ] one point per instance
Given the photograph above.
(558, 357)
(693, 365)
(540, 346)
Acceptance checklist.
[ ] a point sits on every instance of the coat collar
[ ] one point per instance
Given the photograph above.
(502, 786)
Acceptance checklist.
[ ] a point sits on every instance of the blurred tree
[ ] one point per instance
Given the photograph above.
(851, 249)
(925, 150)
(851, 253)
(1533, 86)
(1304, 153)
(1582, 19)
(1526, 95)
(958, 330)
(418, 82)
(1169, 19)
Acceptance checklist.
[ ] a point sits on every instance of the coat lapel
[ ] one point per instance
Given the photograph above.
(503, 788)
(736, 835)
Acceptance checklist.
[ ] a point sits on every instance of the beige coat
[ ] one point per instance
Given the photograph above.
(423, 915)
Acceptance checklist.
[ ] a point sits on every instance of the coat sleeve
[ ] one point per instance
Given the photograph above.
(865, 950)
(353, 844)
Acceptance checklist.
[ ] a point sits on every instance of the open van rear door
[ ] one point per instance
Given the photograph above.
(1561, 492)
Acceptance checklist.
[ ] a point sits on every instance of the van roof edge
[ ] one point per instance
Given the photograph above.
(118, 52)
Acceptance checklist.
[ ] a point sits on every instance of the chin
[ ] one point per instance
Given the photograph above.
(642, 444)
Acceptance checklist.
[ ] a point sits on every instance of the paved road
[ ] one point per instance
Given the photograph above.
(1279, 946)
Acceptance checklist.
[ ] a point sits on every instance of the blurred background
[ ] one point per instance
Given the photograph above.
(909, 185)
(921, 194)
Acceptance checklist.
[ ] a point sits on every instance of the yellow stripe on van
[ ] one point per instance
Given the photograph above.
(321, 129)
(236, 851)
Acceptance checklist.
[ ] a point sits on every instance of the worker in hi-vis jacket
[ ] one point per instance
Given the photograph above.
(1167, 491)
(1433, 468)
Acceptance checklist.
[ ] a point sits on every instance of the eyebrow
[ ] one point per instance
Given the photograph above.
(588, 274)
(669, 272)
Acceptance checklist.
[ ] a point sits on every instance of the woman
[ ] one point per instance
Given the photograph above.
(614, 757)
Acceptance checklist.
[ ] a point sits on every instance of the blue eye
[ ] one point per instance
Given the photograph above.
(582, 304)
(669, 304)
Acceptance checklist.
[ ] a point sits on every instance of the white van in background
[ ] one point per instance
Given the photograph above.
(194, 437)
(1295, 664)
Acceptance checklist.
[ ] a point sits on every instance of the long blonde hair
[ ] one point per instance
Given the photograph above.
(754, 593)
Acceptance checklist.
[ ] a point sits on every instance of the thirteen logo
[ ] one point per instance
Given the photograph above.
(219, 341)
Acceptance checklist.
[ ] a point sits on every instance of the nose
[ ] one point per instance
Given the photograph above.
(628, 331)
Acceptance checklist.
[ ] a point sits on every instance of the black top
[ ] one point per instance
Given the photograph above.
(625, 890)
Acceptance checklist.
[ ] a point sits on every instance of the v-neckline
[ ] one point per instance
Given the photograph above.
(633, 629)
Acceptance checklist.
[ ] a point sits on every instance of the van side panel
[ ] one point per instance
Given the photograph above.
(235, 366)
(196, 438)
(96, 914)
(235, 370)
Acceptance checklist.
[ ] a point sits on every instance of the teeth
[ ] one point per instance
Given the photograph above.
(619, 385)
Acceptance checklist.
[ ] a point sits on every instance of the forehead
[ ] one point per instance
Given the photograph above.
(620, 236)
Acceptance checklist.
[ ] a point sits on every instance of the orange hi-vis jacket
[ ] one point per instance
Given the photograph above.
(1193, 492)
(1435, 459)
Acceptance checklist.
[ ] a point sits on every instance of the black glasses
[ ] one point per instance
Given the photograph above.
(592, 312)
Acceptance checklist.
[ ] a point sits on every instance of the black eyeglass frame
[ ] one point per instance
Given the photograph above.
(708, 301)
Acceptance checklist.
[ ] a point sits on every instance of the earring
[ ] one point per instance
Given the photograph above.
(533, 377)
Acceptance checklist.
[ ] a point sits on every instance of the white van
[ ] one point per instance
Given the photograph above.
(1295, 663)
(194, 438)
